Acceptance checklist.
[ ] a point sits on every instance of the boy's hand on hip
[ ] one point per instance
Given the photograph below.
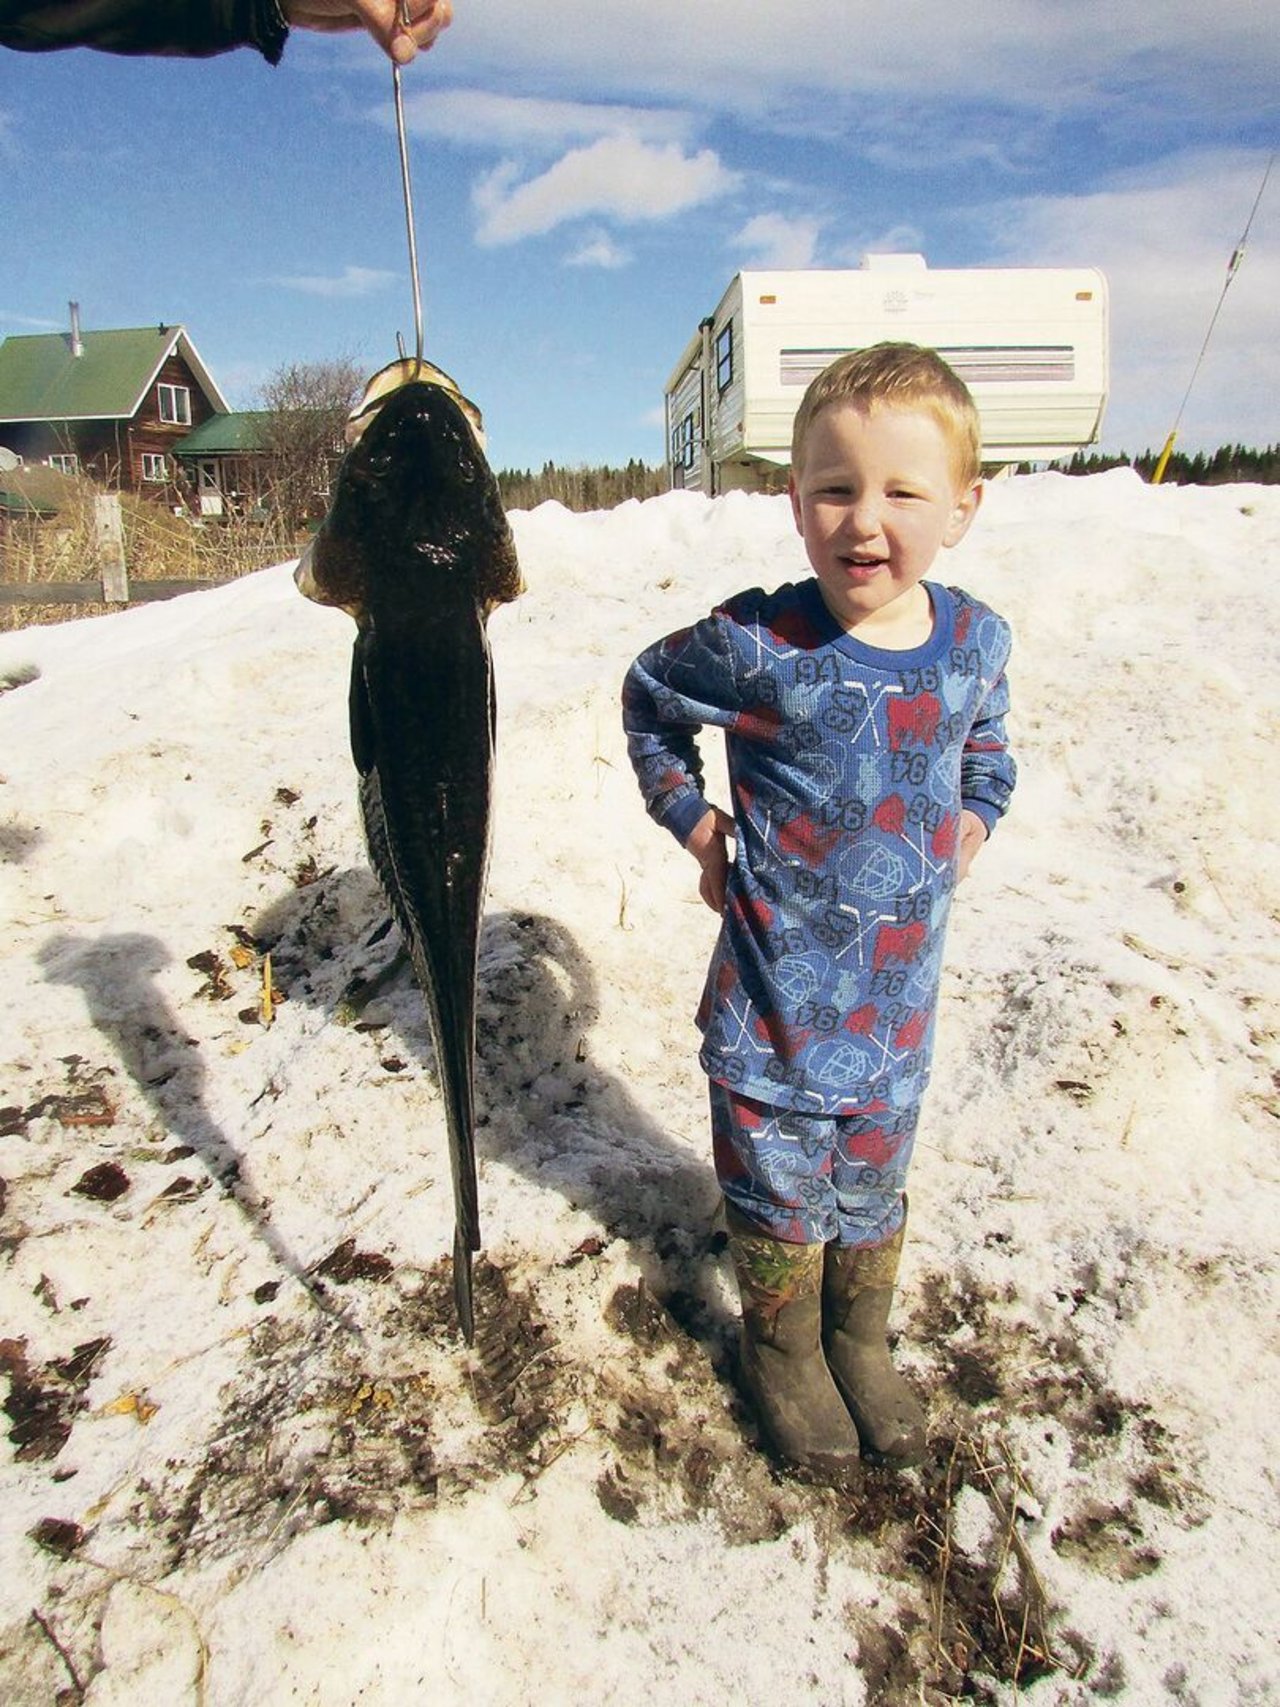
(973, 832)
(706, 842)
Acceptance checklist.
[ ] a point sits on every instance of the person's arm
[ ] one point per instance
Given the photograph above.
(193, 29)
(708, 842)
(987, 771)
(197, 29)
(671, 691)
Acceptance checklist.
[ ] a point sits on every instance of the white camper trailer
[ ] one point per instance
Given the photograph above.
(1030, 343)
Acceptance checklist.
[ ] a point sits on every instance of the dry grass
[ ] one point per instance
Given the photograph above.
(996, 1614)
(158, 546)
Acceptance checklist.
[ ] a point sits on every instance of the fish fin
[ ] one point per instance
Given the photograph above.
(364, 749)
(508, 581)
(376, 840)
(364, 744)
(462, 1295)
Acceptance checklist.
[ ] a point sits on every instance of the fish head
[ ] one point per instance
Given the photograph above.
(415, 508)
(391, 378)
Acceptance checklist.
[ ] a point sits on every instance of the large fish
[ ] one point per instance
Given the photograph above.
(417, 548)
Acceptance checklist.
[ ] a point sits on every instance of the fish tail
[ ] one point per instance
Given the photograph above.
(462, 1299)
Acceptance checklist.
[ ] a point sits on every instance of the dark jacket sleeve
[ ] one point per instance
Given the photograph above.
(186, 28)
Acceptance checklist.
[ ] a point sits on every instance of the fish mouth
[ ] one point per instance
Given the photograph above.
(424, 427)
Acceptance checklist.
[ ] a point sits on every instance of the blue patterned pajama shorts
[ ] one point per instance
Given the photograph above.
(813, 1179)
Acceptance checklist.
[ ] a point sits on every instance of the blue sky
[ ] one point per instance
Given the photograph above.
(589, 178)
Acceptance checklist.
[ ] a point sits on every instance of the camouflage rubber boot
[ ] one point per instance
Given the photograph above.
(857, 1293)
(783, 1370)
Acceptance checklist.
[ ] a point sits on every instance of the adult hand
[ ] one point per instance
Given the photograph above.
(380, 17)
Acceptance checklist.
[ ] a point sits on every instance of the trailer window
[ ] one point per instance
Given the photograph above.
(798, 367)
(724, 359)
(990, 364)
(976, 364)
(682, 443)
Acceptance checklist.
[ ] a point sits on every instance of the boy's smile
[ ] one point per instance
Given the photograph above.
(875, 500)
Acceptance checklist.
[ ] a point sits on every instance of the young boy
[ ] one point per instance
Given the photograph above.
(863, 711)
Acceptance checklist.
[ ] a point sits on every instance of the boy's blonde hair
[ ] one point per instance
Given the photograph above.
(897, 376)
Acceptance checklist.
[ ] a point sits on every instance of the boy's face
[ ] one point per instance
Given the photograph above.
(875, 499)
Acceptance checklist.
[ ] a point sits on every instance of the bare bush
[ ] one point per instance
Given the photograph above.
(306, 406)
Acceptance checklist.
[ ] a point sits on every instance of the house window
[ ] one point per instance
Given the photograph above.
(65, 464)
(682, 443)
(154, 467)
(724, 359)
(175, 404)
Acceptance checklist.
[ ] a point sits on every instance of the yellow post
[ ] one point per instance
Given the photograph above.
(1157, 473)
(267, 1003)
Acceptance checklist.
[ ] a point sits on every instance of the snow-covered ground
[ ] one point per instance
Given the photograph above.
(247, 1459)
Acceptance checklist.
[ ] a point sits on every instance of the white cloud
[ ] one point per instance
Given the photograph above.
(29, 324)
(350, 282)
(617, 161)
(482, 119)
(1164, 238)
(1016, 52)
(777, 240)
(917, 141)
(893, 240)
(619, 177)
(599, 250)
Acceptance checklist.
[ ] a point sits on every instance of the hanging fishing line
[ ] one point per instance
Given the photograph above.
(407, 189)
(1233, 267)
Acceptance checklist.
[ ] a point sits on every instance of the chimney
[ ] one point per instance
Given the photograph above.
(77, 346)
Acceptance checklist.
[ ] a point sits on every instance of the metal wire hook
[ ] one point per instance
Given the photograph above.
(407, 188)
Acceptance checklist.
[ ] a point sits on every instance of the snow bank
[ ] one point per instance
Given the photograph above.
(248, 1461)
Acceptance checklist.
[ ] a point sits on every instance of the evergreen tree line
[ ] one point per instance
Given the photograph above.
(1226, 465)
(604, 487)
(580, 488)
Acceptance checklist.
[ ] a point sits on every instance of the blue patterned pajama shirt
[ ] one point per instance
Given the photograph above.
(849, 766)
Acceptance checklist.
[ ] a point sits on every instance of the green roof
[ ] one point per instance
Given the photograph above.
(224, 435)
(41, 379)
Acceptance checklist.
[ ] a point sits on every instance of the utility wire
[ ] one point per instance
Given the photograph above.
(1233, 267)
